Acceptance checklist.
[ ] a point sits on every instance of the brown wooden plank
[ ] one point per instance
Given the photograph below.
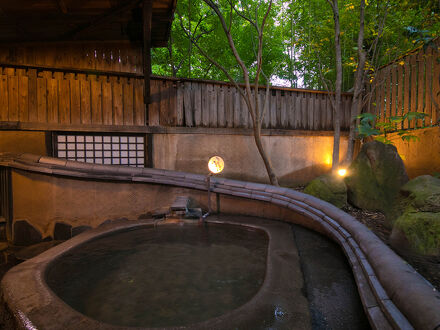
(179, 103)
(164, 104)
(278, 109)
(107, 102)
(428, 85)
(213, 111)
(52, 100)
(304, 112)
(329, 108)
(23, 98)
(188, 99)
(42, 99)
(289, 109)
(197, 90)
(153, 108)
(86, 113)
(118, 103)
(273, 109)
(406, 90)
(436, 89)
(221, 106)
(13, 98)
(128, 98)
(310, 110)
(414, 93)
(229, 106)
(323, 110)
(64, 101)
(421, 86)
(205, 104)
(284, 119)
(96, 99)
(317, 112)
(375, 86)
(4, 107)
(400, 90)
(237, 106)
(139, 105)
(172, 103)
(382, 94)
(297, 109)
(386, 95)
(75, 99)
(393, 103)
(33, 114)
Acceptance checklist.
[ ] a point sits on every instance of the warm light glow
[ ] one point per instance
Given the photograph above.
(328, 159)
(342, 172)
(216, 164)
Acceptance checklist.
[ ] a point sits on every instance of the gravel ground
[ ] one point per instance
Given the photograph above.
(376, 222)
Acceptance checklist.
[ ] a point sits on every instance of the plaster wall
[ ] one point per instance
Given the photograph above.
(296, 159)
(422, 156)
(23, 141)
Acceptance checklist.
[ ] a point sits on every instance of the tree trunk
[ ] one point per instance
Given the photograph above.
(338, 88)
(257, 136)
(356, 105)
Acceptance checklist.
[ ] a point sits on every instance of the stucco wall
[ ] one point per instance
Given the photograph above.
(296, 158)
(43, 200)
(23, 141)
(422, 156)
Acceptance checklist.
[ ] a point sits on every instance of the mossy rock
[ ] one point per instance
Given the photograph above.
(375, 177)
(421, 194)
(417, 217)
(421, 232)
(329, 188)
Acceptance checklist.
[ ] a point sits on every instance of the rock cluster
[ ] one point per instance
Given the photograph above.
(416, 222)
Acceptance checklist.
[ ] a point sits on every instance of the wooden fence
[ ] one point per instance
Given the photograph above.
(53, 96)
(103, 56)
(193, 103)
(60, 96)
(409, 84)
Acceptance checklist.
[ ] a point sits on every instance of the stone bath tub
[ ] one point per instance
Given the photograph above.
(393, 294)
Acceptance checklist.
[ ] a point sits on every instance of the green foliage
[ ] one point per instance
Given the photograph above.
(299, 38)
(369, 127)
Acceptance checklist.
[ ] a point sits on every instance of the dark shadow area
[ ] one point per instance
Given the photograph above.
(334, 301)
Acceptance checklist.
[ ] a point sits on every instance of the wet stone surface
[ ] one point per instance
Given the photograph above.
(329, 284)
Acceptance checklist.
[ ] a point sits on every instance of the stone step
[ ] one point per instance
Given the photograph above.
(181, 203)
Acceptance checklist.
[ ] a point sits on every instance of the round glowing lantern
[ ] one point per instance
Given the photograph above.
(216, 164)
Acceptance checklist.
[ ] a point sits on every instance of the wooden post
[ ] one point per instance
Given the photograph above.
(146, 53)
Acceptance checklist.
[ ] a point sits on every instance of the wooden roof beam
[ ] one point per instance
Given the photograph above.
(104, 18)
(62, 5)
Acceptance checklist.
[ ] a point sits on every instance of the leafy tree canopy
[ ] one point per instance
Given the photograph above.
(299, 38)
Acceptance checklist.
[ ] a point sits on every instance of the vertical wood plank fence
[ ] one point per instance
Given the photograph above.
(409, 84)
(194, 103)
(61, 96)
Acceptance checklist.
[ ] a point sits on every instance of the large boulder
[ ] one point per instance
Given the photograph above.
(330, 188)
(417, 226)
(375, 177)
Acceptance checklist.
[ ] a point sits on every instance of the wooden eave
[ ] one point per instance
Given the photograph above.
(82, 20)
